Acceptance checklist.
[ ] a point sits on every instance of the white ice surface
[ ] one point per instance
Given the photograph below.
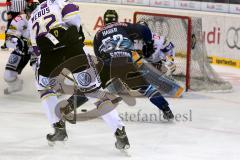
(212, 133)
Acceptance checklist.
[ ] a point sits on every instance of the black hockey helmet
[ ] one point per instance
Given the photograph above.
(110, 16)
(142, 23)
(40, 1)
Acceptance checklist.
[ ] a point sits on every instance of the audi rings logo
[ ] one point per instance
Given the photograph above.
(233, 38)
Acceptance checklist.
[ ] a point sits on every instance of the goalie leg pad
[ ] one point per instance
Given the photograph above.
(160, 82)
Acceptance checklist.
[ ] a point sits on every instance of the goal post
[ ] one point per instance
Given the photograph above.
(193, 67)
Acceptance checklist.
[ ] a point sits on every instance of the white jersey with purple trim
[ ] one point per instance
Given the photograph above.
(160, 46)
(52, 14)
(18, 27)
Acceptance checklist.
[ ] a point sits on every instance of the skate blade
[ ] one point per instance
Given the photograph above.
(4, 49)
(51, 144)
(54, 143)
(167, 120)
(6, 92)
(125, 152)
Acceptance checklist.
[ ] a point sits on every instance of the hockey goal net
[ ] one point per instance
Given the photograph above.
(193, 67)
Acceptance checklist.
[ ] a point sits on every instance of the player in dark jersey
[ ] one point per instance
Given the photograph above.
(113, 45)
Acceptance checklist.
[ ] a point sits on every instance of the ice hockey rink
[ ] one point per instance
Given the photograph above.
(206, 127)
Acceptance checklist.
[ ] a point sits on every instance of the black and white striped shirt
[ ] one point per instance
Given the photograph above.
(16, 5)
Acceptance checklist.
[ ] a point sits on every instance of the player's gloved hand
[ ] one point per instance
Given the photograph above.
(33, 58)
(157, 65)
(15, 43)
(34, 62)
(169, 49)
(148, 49)
(171, 67)
(81, 34)
(11, 42)
(36, 50)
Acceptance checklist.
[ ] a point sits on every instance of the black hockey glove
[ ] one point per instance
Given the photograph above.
(148, 49)
(81, 34)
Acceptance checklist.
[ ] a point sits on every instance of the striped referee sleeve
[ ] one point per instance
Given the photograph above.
(18, 5)
(8, 3)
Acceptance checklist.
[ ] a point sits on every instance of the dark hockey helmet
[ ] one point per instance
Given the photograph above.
(110, 16)
(142, 23)
(40, 1)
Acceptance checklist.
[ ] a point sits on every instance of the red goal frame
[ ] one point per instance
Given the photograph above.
(189, 34)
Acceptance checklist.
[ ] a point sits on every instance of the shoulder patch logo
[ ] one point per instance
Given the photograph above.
(84, 78)
(13, 59)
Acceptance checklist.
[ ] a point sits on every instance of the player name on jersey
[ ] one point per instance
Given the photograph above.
(40, 13)
(109, 31)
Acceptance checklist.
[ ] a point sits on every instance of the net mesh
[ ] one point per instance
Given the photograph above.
(176, 28)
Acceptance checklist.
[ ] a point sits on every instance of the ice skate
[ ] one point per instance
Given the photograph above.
(122, 139)
(59, 134)
(122, 142)
(14, 86)
(4, 47)
(167, 114)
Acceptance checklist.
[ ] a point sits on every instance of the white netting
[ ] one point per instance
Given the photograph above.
(176, 29)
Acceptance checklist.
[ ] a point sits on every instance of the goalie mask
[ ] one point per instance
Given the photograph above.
(110, 16)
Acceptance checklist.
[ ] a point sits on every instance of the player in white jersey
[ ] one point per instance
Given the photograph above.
(56, 36)
(17, 39)
(163, 57)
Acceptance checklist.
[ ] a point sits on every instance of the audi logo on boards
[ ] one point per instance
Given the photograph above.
(233, 38)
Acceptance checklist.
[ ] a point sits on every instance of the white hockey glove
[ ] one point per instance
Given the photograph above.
(169, 49)
(16, 43)
(171, 67)
(12, 42)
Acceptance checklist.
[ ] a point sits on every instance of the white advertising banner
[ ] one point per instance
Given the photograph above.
(231, 38)
(162, 3)
(90, 1)
(109, 1)
(136, 2)
(234, 8)
(214, 7)
(188, 5)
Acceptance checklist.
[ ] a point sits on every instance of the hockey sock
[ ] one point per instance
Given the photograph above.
(155, 97)
(49, 102)
(113, 120)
